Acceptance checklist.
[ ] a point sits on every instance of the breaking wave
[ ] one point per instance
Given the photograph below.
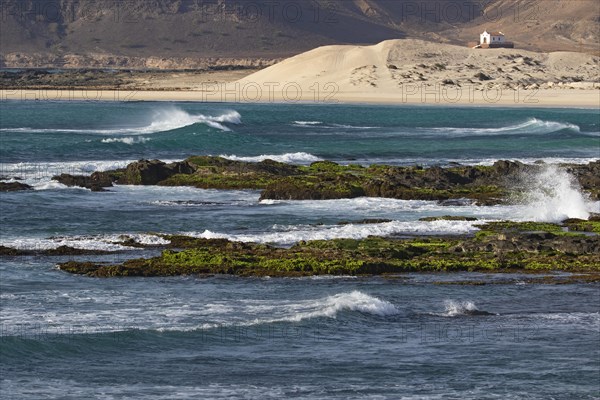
(294, 234)
(324, 125)
(461, 308)
(288, 158)
(307, 123)
(353, 301)
(178, 317)
(89, 242)
(329, 307)
(529, 127)
(171, 119)
(553, 195)
(126, 140)
(39, 174)
(163, 120)
(532, 126)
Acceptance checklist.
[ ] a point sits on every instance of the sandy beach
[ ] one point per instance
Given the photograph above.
(534, 98)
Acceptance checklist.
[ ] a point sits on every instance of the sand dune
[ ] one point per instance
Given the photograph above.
(413, 70)
(394, 72)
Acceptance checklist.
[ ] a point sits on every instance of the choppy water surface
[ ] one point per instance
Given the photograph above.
(65, 336)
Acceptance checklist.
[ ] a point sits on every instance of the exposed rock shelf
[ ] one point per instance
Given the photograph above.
(499, 247)
(486, 185)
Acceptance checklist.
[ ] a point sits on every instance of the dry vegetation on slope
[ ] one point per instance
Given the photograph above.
(196, 33)
(387, 66)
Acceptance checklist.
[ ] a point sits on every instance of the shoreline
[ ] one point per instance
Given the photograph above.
(542, 98)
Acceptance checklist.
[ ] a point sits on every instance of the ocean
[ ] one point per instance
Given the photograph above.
(397, 337)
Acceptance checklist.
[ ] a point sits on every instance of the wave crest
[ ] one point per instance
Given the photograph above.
(529, 127)
(288, 158)
(329, 307)
(126, 140)
(175, 118)
(460, 308)
(163, 120)
(324, 125)
(295, 234)
(108, 242)
(553, 195)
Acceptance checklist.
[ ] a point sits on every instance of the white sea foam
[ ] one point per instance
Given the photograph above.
(590, 320)
(174, 118)
(294, 234)
(88, 242)
(464, 161)
(288, 158)
(454, 308)
(54, 185)
(27, 170)
(346, 126)
(323, 125)
(529, 161)
(307, 123)
(329, 307)
(553, 195)
(531, 126)
(174, 314)
(39, 174)
(163, 120)
(126, 140)
(352, 301)
(383, 208)
(362, 204)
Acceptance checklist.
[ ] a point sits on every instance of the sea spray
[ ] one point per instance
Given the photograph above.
(293, 234)
(532, 126)
(163, 119)
(551, 194)
(462, 308)
(126, 140)
(454, 308)
(331, 307)
(172, 118)
(288, 158)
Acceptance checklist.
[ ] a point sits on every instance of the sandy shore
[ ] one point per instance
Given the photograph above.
(543, 98)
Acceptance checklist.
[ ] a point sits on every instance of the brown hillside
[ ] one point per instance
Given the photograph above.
(185, 33)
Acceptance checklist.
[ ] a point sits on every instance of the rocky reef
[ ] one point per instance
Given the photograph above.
(59, 251)
(486, 185)
(14, 186)
(573, 246)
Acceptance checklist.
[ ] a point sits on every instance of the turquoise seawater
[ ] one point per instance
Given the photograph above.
(403, 337)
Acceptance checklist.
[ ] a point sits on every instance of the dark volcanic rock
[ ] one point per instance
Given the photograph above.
(484, 185)
(448, 218)
(151, 172)
(588, 177)
(274, 168)
(96, 182)
(9, 251)
(503, 250)
(13, 186)
(59, 251)
(508, 168)
(71, 251)
(366, 221)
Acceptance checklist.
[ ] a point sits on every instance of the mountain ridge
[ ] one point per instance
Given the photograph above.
(190, 33)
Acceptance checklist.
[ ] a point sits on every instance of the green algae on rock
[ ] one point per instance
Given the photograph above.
(503, 249)
(486, 185)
